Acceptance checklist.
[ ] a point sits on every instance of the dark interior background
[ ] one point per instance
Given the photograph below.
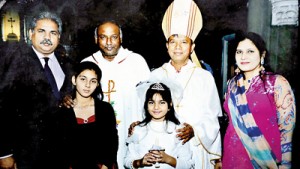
(142, 33)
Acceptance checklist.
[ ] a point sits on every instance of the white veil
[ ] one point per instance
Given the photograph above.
(142, 87)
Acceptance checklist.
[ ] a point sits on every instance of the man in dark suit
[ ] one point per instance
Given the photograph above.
(32, 81)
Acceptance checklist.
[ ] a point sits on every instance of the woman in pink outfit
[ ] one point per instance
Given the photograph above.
(261, 110)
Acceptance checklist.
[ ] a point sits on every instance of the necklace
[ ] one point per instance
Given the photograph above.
(85, 111)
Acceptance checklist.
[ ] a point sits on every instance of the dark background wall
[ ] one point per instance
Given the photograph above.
(141, 25)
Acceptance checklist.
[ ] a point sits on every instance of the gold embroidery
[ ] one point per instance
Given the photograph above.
(110, 89)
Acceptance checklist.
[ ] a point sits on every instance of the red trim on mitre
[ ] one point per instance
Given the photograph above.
(169, 20)
(191, 21)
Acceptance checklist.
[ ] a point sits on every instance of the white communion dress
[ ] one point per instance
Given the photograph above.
(162, 134)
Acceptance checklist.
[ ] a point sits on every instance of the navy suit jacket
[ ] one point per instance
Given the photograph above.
(28, 109)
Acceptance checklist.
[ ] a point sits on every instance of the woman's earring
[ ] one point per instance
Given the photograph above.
(237, 70)
(262, 68)
(262, 61)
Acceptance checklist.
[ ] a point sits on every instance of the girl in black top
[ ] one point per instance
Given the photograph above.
(89, 128)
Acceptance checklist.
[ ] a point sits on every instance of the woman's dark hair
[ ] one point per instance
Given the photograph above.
(166, 96)
(254, 37)
(98, 93)
(257, 40)
(260, 44)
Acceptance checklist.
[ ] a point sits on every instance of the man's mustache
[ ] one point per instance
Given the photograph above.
(47, 41)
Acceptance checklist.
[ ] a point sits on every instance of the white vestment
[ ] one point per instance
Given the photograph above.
(199, 107)
(119, 79)
(155, 133)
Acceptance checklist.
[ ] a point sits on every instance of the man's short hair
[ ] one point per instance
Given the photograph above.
(46, 15)
(108, 21)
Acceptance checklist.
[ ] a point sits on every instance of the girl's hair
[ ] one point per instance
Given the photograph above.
(164, 91)
(98, 93)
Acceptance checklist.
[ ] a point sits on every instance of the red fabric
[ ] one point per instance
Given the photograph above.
(89, 120)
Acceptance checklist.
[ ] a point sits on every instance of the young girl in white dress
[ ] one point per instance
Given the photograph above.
(154, 143)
